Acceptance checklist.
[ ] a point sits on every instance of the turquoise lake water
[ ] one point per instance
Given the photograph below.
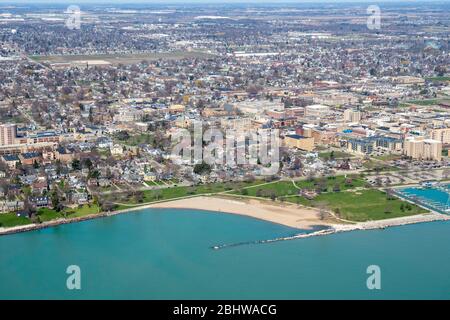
(166, 254)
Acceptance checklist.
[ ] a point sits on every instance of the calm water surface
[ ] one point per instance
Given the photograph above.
(166, 254)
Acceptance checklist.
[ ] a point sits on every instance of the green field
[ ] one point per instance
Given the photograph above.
(388, 157)
(136, 140)
(8, 220)
(287, 188)
(149, 196)
(424, 102)
(46, 214)
(363, 205)
(82, 211)
(438, 79)
(355, 205)
(337, 155)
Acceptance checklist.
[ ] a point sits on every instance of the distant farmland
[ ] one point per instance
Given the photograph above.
(123, 58)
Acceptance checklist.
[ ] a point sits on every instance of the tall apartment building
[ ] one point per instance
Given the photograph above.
(8, 134)
(441, 134)
(317, 110)
(421, 148)
(352, 115)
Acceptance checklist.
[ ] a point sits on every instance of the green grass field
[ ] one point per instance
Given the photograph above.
(363, 205)
(149, 196)
(140, 139)
(337, 155)
(360, 205)
(424, 102)
(8, 220)
(287, 188)
(438, 79)
(82, 211)
(388, 157)
(46, 214)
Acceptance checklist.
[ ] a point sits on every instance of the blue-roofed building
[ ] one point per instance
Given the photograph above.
(11, 160)
(364, 145)
(29, 158)
(370, 144)
(44, 136)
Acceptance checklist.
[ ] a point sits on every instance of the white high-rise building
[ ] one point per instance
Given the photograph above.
(441, 134)
(352, 115)
(8, 134)
(421, 148)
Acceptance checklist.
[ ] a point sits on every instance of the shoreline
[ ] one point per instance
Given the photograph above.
(197, 203)
(362, 226)
(288, 215)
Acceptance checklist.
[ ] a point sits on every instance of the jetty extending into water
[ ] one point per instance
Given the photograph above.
(370, 225)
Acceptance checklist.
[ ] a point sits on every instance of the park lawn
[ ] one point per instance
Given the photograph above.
(150, 196)
(356, 182)
(389, 157)
(142, 138)
(83, 211)
(280, 188)
(337, 155)
(365, 205)
(176, 192)
(46, 214)
(287, 188)
(8, 220)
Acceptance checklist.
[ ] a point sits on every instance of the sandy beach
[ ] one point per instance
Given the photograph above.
(285, 214)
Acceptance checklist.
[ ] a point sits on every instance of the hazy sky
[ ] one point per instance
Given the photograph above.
(176, 2)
